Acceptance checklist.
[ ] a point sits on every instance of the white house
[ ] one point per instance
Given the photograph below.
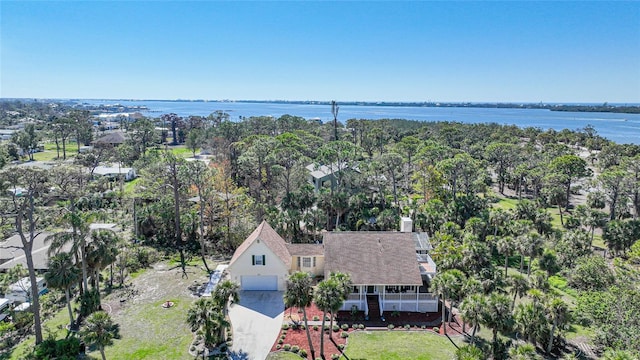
(390, 270)
(20, 291)
(5, 305)
(262, 261)
(115, 172)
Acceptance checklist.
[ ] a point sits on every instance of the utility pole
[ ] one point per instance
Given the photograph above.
(334, 111)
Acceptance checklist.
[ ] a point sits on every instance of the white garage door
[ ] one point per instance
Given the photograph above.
(260, 283)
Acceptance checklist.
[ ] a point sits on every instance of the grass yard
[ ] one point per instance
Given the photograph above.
(283, 355)
(149, 331)
(390, 345)
(54, 326)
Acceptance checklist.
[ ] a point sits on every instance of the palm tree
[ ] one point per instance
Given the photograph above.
(469, 352)
(519, 287)
(207, 316)
(328, 298)
(530, 321)
(80, 228)
(299, 293)
(505, 246)
(524, 352)
(441, 284)
(471, 311)
(226, 291)
(100, 331)
(558, 314)
(62, 274)
(101, 252)
(344, 284)
(497, 314)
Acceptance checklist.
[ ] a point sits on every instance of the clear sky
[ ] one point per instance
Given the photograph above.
(373, 51)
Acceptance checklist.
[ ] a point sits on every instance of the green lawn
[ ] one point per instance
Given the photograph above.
(389, 345)
(54, 326)
(284, 355)
(153, 332)
(506, 204)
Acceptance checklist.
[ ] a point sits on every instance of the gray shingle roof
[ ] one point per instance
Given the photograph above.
(270, 238)
(373, 258)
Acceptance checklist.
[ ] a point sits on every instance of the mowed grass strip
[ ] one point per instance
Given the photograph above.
(397, 344)
(284, 355)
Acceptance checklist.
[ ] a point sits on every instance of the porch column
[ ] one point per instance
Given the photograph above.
(384, 299)
(417, 298)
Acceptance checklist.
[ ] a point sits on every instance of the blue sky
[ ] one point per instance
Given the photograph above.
(372, 51)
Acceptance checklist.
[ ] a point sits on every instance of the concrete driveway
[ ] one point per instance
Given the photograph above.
(256, 322)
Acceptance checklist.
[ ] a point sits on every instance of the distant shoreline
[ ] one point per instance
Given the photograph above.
(569, 107)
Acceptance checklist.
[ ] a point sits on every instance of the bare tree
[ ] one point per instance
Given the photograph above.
(22, 208)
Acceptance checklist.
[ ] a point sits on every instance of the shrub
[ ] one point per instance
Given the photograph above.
(390, 326)
(315, 327)
(284, 332)
(283, 336)
(278, 347)
(344, 335)
(58, 349)
(316, 318)
(407, 326)
(341, 346)
(345, 327)
(436, 329)
(192, 348)
(302, 327)
(327, 318)
(285, 326)
(336, 328)
(361, 326)
(423, 327)
(287, 347)
(335, 356)
(326, 327)
(295, 348)
(303, 353)
(280, 341)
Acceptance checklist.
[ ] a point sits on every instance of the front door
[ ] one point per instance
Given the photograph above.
(371, 289)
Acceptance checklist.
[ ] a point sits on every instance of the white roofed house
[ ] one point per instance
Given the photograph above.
(115, 172)
(20, 291)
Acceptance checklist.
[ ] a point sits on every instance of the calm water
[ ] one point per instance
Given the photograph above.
(621, 128)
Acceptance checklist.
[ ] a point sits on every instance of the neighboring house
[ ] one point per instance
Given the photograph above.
(5, 306)
(389, 270)
(6, 134)
(11, 253)
(111, 139)
(20, 291)
(325, 175)
(115, 172)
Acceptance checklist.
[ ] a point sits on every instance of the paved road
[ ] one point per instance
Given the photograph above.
(256, 323)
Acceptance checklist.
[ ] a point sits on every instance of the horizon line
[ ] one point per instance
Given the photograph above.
(603, 103)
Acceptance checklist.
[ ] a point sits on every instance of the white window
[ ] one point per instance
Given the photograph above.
(258, 260)
(306, 262)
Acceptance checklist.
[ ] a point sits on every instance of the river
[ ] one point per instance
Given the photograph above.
(621, 128)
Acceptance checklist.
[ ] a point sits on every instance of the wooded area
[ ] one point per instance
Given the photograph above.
(534, 231)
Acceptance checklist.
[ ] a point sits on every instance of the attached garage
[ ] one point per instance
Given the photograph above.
(259, 283)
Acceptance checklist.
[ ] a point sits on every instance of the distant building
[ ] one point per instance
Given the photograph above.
(111, 139)
(325, 175)
(115, 172)
(20, 291)
(6, 134)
